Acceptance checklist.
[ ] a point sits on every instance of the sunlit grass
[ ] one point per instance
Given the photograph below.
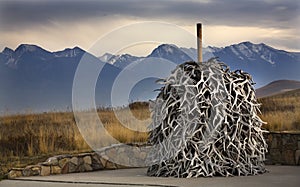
(32, 135)
(282, 112)
(28, 138)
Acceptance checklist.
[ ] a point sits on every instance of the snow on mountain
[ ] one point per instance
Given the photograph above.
(166, 51)
(30, 49)
(120, 61)
(27, 48)
(262, 61)
(171, 53)
(265, 63)
(74, 52)
(30, 54)
(125, 59)
(31, 77)
(14, 58)
(106, 58)
(242, 53)
(39, 80)
(247, 51)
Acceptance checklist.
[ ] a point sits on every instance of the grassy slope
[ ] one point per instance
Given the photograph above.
(282, 111)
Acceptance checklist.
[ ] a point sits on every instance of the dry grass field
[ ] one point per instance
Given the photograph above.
(31, 138)
(282, 111)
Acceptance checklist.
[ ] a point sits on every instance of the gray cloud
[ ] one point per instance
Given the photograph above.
(64, 23)
(261, 13)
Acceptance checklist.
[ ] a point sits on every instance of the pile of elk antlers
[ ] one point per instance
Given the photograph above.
(205, 123)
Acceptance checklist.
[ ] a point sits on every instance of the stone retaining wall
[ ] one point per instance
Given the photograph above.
(102, 159)
(284, 148)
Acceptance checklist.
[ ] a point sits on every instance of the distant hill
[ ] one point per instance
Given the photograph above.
(277, 87)
(292, 93)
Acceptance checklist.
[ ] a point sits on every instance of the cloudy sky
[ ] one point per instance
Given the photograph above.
(56, 25)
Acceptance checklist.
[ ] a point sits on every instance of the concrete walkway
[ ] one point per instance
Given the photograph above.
(286, 176)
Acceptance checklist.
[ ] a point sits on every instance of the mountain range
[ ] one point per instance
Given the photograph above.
(263, 62)
(34, 79)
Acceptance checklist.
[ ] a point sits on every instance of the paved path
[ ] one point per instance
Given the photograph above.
(286, 176)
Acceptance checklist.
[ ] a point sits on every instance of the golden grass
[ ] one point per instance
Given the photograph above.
(282, 112)
(30, 135)
(33, 137)
(129, 125)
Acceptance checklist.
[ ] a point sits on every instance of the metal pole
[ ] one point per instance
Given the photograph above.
(199, 42)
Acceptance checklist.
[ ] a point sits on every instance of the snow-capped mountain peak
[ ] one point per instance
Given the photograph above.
(27, 48)
(70, 52)
(164, 49)
(106, 57)
(33, 52)
(120, 61)
(172, 52)
(247, 51)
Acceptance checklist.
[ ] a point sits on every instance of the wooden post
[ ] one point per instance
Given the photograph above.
(199, 42)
